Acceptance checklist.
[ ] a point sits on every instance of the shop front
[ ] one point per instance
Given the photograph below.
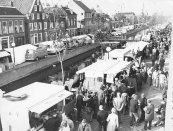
(4, 42)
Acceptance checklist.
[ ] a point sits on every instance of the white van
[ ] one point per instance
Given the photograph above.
(51, 48)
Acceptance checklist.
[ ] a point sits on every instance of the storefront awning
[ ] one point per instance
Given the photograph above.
(4, 54)
(51, 101)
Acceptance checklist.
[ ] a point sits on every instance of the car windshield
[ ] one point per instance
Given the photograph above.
(30, 51)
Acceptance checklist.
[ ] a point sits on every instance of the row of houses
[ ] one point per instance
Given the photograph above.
(27, 22)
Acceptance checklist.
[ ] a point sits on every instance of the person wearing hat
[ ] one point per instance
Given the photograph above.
(143, 104)
(149, 115)
(84, 126)
(101, 118)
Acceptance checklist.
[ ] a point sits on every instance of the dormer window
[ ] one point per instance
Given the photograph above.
(35, 7)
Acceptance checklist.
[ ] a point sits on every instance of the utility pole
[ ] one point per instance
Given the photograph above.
(169, 104)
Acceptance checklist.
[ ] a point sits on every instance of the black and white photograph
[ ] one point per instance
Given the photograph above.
(86, 65)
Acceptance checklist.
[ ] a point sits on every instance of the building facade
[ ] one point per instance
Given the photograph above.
(55, 22)
(36, 23)
(84, 16)
(71, 21)
(11, 27)
(130, 17)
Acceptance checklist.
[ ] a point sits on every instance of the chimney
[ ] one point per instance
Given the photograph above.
(11, 4)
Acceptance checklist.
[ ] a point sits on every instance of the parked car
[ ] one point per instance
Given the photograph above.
(35, 54)
(51, 48)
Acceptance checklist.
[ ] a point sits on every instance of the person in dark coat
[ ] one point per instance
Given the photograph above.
(51, 124)
(79, 103)
(101, 118)
(130, 90)
(143, 104)
(90, 104)
(149, 115)
(134, 110)
(139, 80)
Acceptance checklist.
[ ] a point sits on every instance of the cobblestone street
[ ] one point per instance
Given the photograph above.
(151, 93)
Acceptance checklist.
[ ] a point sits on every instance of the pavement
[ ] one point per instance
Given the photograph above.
(151, 93)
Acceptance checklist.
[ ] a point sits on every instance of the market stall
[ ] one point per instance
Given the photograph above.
(26, 109)
(118, 54)
(95, 75)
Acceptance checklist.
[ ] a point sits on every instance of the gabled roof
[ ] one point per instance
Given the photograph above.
(23, 6)
(84, 7)
(9, 11)
(68, 11)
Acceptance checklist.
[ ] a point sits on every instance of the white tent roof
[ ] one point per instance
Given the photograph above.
(40, 97)
(97, 69)
(117, 53)
(135, 45)
(112, 72)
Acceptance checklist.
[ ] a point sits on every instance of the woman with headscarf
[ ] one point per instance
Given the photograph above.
(112, 121)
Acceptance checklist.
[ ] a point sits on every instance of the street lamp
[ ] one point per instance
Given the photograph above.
(13, 45)
(108, 49)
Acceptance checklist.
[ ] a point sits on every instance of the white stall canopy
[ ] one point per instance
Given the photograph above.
(113, 71)
(118, 53)
(97, 69)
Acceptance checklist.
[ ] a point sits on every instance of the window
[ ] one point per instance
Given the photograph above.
(16, 26)
(99, 79)
(21, 28)
(45, 36)
(36, 38)
(35, 25)
(38, 16)
(10, 27)
(40, 25)
(51, 25)
(86, 15)
(4, 27)
(43, 16)
(62, 24)
(0, 29)
(32, 39)
(40, 37)
(31, 26)
(45, 25)
(35, 7)
(71, 22)
(32, 16)
(81, 13)
(74, 21)
(68, 22)
(39, 7)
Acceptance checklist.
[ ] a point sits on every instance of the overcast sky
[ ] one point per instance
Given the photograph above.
(113, 6)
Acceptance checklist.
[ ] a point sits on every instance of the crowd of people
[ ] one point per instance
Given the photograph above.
(121, 96)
